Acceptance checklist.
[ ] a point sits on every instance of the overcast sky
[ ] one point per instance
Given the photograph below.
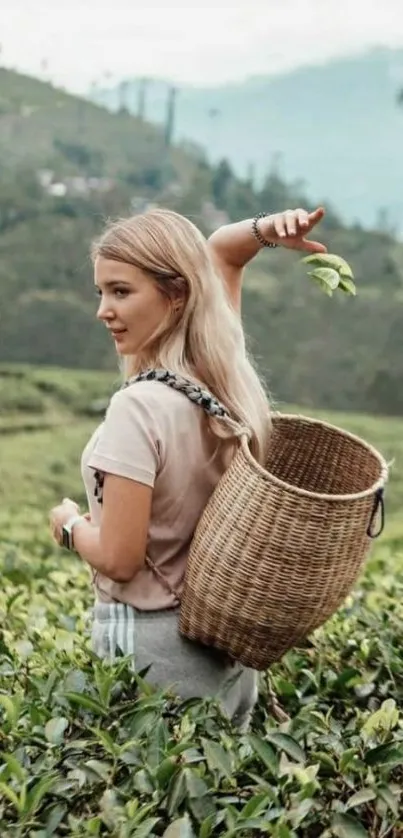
(82, 40)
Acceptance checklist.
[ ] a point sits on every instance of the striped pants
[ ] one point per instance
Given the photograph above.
(189, 669)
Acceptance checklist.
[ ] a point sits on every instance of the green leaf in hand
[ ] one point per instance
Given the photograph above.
(330, 260)
(347, 285)
(331, 272)
(327, 278)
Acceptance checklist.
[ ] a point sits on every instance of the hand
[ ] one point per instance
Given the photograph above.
(291, 227)
(59, 516)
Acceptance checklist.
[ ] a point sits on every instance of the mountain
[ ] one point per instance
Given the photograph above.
(57, 186)
(337, 126)
(45, 127)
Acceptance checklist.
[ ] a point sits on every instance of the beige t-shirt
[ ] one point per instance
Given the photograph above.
(156, 436)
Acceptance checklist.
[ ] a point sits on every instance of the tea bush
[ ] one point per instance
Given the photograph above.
(90, 749)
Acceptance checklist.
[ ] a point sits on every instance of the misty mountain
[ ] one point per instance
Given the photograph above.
(337, 127)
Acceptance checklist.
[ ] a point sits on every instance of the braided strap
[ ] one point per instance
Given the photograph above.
(193, 391)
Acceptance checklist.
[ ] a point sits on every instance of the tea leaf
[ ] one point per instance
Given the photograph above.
(85, 702)
(15, 767)
(264, 752)
(177, 793)
(217, 758)
(360, 797)
(386, 718)
(37, 793)
(55, 729)
(145, 829)
(389, 797)
(330, 260)
(180, 828)
(348, 286)
(286, 743)
(345, 826)
(11, 708)
(389, 754)
(11, 795)
(327, 278)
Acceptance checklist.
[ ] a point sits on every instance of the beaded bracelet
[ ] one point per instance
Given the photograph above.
(256, 232)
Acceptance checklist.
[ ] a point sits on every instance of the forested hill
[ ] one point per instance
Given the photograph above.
(57, 184)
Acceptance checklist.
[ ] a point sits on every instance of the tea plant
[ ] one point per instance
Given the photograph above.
(90, 749)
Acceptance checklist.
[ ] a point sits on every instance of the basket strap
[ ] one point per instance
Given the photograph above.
(379, 504)
(200, 396)
(170, 589)
(197, 394)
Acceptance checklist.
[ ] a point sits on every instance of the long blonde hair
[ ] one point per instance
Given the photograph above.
(205, 340)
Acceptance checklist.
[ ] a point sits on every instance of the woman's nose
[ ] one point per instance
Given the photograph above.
(104, 310)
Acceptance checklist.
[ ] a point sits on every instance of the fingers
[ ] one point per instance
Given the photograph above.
(69, 500)
(303, 218)
(296, 223)
(279, 225)
(291, 222)
(316, 216)
(285, 223)
(312, 247)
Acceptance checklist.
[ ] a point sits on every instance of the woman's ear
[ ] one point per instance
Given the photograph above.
(178, 305)
(179, 296)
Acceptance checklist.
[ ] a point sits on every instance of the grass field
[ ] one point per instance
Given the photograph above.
(86, 749)
(47, 414)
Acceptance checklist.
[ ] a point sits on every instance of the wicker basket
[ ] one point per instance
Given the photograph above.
(277, 550)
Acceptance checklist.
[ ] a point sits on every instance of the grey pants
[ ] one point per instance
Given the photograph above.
(190, 670)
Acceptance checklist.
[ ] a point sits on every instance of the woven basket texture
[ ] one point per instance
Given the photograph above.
(277, 550)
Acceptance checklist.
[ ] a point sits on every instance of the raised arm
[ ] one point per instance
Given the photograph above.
(234, 245)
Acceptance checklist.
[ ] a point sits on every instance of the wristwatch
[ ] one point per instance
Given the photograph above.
(67, 531)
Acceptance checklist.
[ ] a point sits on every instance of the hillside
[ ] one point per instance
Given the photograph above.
(46, 127)
(336, 126)
(332, 353)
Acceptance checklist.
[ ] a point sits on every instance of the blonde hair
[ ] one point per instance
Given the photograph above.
(204, 341)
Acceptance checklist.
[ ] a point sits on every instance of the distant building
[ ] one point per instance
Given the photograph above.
(73, 185)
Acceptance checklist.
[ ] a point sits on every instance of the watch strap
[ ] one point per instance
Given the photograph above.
(67, 531)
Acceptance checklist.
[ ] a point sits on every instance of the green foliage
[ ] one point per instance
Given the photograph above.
(331, 272)
(87, 748)
(90, 749)
(338, 354)
(15, 398)
(46, 127)
(51, 392)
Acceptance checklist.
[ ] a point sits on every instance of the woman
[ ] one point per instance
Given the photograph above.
(151, 467)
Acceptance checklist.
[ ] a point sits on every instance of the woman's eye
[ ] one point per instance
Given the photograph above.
(118, 292)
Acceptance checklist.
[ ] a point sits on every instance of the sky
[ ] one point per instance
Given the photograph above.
(203, 43)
